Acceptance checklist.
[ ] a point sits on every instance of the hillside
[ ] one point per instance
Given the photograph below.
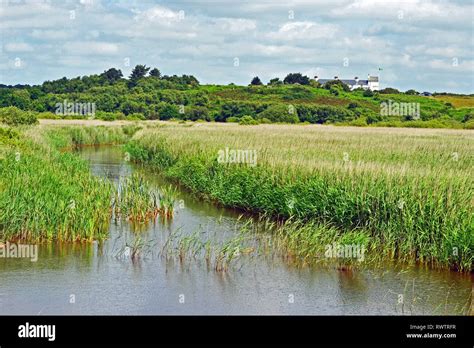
(109, 96)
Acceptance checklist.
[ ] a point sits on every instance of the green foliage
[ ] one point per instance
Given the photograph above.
(233, 119)
(136, 117)
(389, 90)
(13, 116)
(248, 120)
(368, 93)
(275, 82)
(279, 113)
(47, 115)
(137, 73)
(112, 75)
(110, 116)
(162, 97)
(256, 81)
(323, 114)
(155, 73)
(337, 85)
(167, 111)
(293, 78)
(239, 109)
(298, 92)
(197, 113)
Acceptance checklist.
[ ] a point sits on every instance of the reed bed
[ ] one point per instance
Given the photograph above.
(47, 194)
(407, 194)
(51, 197)
(137, 202)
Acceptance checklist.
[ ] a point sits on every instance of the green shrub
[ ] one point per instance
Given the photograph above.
(322, 114)
(13, 116)
(248, 120)
(297, 92)
(136, 117)
(48, 116)
(337, 84)
(166, 111)
(239, 109)
(109, 116)
(279, 113)
(368, 93)
(197, 113)
(469, 124)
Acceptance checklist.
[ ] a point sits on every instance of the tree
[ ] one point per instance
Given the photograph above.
(112, 75)
(256, 81)
(314, 83)
(296, 78)
(138, 72)
(338, 84)
(389, 90)
(368, 93)
(275, 82)
(411, 92)
(197, 113)
(155, 73)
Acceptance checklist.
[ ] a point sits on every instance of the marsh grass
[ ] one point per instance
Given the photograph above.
(51, 198)
(406, 193)
(137, 202)
(48, 194)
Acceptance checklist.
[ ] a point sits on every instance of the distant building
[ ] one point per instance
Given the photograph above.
(426, 94)
(371, 83)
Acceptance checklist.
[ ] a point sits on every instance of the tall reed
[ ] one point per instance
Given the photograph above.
(410, 191)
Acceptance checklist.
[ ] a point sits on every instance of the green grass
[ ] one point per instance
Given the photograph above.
(48, 194)
(406, 193)
(137, 202)
(51, 196)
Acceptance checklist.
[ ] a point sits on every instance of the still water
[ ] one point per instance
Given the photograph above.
(101, 279)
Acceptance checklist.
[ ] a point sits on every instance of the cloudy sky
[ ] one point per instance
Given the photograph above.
(422, 44)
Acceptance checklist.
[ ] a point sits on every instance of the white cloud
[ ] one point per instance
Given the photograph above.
(90, 48)
(303, 31)
(409, 38)
(47, 35)
(18, 47)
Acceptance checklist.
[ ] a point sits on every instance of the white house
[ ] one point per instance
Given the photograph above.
(371, 83)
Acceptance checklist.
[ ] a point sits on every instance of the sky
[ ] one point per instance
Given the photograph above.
(426, 45)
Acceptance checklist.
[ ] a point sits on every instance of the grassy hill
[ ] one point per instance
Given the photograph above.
(183, 98)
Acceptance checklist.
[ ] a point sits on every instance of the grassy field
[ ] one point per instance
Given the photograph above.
(458, 101)
(404, 193)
